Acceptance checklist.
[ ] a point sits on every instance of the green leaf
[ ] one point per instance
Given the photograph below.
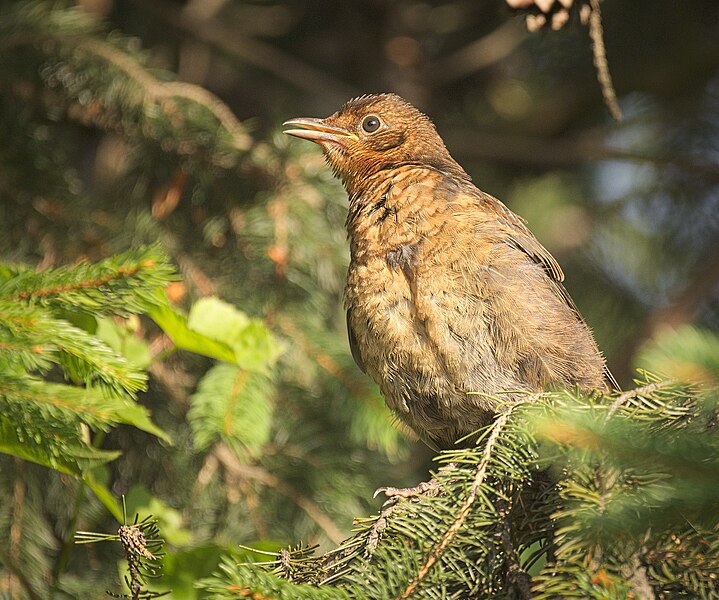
(231, 404)
(122, 339)
(217, 320)
(138, 416)
(253, 344)
(218, 330)
(174, 324)
(257, 348)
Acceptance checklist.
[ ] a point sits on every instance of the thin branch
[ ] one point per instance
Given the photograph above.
(596, 33)
(234, 466)
(466, 506)
(225, 37)
(586, 147)
(155, 89)
(479, 54)
(644, 390)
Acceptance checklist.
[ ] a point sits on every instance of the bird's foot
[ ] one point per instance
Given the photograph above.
(425, 488)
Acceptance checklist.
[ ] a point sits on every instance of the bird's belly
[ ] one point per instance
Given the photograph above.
(427, 373)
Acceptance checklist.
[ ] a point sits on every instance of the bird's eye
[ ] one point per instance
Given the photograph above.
(371, 123)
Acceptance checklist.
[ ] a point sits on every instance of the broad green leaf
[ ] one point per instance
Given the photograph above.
(217, 329)
(174, 324)
(254, 345)
(138, 416)
(257, 348)
(123, 340)
(217, 320)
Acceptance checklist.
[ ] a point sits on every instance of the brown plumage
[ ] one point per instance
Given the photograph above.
(450, 299)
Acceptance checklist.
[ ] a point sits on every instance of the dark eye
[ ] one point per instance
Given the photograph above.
(371, 123)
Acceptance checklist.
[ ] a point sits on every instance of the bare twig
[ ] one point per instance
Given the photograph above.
(259, 54)
(479, 54)
(237, 468)
(596, 33)
(561, 152)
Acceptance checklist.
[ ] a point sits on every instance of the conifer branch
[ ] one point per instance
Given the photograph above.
(466, 506)
(121, 273)
(154, 90)
(644, 390)
(118, 285)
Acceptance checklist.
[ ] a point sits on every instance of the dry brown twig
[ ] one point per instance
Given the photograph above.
(229, 461)
(555, 13)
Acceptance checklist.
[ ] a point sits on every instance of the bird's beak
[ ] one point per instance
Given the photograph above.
(316, 130)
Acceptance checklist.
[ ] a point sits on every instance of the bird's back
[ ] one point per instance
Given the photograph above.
(452, 301)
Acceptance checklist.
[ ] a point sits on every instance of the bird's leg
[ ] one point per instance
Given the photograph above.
(425, 488)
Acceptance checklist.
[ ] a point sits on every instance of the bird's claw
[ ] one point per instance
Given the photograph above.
(430, 488)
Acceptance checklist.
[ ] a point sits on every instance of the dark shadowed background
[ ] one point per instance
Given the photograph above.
(97, 157)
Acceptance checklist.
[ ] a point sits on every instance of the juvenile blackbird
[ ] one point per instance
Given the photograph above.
(451, 301)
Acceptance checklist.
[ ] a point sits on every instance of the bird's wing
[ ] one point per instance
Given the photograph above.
(522, 238)
(354, 347)
(519, 236)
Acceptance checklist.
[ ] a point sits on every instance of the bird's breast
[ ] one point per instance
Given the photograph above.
(415, 299)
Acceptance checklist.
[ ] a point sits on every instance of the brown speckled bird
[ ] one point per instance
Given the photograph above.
(451, 301)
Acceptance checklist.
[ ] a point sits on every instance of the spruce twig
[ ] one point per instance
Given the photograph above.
(466, 506)
(599, 52)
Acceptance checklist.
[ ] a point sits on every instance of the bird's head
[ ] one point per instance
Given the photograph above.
(373, 133)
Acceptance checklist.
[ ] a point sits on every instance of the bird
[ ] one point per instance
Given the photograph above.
(453, 305)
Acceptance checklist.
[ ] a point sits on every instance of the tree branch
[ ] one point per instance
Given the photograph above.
(596, 33)
(244, 471)
(570, 151)
(479, 54)
(264, 56)
(466, 506)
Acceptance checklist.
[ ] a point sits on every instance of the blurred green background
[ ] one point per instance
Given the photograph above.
(104, 148)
